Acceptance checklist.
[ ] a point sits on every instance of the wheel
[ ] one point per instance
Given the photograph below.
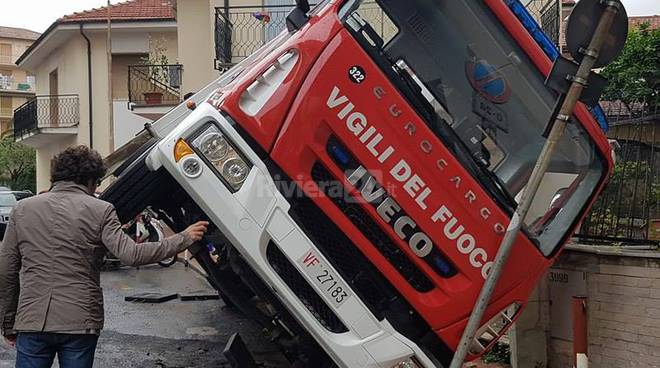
(167, 262)
(137, 188)
(156, 234)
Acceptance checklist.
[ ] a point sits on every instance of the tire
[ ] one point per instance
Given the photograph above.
(167, 262)
(137, 188)
(157, 235)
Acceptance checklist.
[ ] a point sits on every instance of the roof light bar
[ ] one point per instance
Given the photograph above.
(549, 48)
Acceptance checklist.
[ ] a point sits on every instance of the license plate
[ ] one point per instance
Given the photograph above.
(324, 278)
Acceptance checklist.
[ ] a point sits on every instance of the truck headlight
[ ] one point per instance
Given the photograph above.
(214, 146)
(408, 363)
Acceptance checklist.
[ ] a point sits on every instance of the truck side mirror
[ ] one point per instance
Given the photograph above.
(298, 16)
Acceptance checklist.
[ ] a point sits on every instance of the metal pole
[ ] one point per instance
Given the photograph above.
(580, 336)
(565, 113)
(111, 125)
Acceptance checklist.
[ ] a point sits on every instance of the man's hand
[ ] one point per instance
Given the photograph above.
(11, 340)
(196, 231)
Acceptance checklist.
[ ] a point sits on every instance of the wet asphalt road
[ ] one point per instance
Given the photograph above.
(171, 334)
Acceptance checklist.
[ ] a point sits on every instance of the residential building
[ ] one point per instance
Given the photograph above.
(161, 50)
(70, 63)
(16, 86)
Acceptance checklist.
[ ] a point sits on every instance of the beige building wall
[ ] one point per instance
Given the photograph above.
(100, 110)
(195, 23)
(196, 40)
(70, 61)
(169, 40)
(120, 65)
(11, 99)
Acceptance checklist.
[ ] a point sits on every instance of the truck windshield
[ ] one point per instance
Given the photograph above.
(483, 97)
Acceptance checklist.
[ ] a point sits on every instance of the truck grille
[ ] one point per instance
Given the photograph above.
(348, 163)
(340, 251)
(370, 229)
(299, 286)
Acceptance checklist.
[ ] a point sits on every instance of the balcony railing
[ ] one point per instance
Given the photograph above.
(242, 30)
(55, 111)
(8, 83)
(154, 84)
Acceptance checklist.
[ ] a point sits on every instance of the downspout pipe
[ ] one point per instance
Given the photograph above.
(89, 86)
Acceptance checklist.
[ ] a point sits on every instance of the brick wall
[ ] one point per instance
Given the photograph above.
(623, 290)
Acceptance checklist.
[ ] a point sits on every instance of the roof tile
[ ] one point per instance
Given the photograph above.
(19, 33)
(129, 10)
(652, 20)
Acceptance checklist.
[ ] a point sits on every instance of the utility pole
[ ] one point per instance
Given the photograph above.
(600, 49)
(111, 124)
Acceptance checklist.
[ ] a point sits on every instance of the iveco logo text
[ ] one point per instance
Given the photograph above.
(412, 183)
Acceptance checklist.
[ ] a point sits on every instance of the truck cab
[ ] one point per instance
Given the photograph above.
(360, 171)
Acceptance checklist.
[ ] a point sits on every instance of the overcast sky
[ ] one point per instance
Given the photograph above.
(37, 15)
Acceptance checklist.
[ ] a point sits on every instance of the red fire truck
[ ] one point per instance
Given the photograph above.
(360, 171)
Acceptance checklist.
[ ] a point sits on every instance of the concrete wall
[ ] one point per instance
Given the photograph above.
(623, 291)
(624, 309)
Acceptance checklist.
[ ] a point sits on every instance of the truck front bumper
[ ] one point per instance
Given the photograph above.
(255, 218)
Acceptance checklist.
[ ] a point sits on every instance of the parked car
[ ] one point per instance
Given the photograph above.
(22, 194)
(7, 203)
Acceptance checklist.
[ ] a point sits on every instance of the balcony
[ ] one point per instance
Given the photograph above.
(46, 119)
(9, 85)
(152, 86)
(242, 30)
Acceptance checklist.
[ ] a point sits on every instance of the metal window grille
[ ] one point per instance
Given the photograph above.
(628, 211)
(547, 14)
(242, 30)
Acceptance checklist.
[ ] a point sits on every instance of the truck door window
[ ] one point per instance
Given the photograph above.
(484, 98)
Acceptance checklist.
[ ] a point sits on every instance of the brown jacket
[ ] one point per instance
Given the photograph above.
(56, 241)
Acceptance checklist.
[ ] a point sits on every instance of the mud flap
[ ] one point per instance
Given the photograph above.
(238, 354)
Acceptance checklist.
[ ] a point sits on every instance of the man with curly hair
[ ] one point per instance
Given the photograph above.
(56, 242)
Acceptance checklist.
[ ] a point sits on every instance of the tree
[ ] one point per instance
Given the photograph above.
(634, 76)
(17, 164)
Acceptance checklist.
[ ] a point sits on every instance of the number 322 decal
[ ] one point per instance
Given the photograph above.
(356, 74)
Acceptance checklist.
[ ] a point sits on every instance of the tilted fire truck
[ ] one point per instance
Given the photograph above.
(360, 171)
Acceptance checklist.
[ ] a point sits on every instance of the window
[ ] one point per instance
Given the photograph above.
(5, 53)
(5, 106)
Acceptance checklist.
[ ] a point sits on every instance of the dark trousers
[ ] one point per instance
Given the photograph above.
(38, 350)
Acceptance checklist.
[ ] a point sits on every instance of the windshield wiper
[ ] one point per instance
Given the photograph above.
(491, 182)
(491, 177)
(406, 84)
